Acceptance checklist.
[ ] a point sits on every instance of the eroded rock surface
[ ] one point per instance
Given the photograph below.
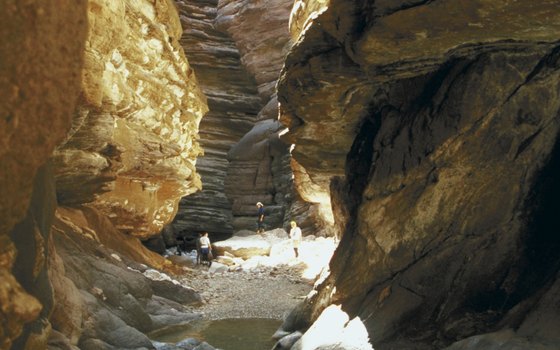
(102, 275)
(237, 50)
(41, 57)
(435, 135)
(233, 103)
(133, 145)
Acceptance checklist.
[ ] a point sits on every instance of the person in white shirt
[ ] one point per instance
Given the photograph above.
(295, 236)
(206, 248)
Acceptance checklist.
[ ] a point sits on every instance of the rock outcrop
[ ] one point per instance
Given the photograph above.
(133, 145)
(109, 84)
(41, 50)
(433, 127)
(101, 275)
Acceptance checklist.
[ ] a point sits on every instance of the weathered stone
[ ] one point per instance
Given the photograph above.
(265, 176)
(39, 84)
(233, 185)
(106, 328)
(287, 341)
(177, 293)
(165, 312)
(133, 145)
(437, 145)
(333, 330)
(243, 247)
(232, 113)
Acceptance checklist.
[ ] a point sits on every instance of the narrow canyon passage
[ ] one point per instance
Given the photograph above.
(414, 143)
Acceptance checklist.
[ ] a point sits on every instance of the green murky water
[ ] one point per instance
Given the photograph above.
(228, 334)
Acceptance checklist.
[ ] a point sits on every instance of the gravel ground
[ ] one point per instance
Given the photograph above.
(267, 293)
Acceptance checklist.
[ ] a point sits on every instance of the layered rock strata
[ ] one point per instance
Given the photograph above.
(133, 145)
(433, 127)
(259, 164)
(233, 103)
(102, 275)
(41, 57)
(237, 50)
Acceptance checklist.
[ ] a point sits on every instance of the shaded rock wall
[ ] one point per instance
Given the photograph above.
(237, 50)
(41, 56)
(133, 145)
(233, 103)
(436, 137)
(258, 170)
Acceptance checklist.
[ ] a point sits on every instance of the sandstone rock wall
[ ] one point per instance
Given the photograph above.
(41, 57)
(133, 145)
(109, 81)
(433, 127)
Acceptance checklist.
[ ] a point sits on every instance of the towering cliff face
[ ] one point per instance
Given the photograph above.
(258, 170)
(133, 145)
(233, 103)
(41, 56)
(433, 127)
(237, 50)
(128, 149)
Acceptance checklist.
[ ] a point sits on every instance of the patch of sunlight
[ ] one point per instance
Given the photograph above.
(334, 328)
(316, 256)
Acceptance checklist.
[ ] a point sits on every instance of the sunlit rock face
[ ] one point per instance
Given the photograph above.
(433, 126)
(41, 56)
(133, 145)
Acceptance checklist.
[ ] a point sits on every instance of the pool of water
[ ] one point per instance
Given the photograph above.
(228, 334)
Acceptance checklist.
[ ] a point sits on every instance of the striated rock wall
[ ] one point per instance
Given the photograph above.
(433, 127)
(41, 56)
(259, 167)
(233, 103)
(237, 50)
(133, 145)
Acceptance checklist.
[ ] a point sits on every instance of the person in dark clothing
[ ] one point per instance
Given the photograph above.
(180, 242)
(198, 251)
(260, 217)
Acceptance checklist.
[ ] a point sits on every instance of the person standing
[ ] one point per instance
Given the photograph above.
(260, 217)
(206, 248)
(295, 236)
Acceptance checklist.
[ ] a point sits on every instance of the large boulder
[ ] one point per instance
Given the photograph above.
(243, 247)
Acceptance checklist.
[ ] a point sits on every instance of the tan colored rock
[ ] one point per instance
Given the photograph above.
(41, 55)
(39, 82)
(18, 308)
(243, 247)
(67, 297)
(135, 132)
